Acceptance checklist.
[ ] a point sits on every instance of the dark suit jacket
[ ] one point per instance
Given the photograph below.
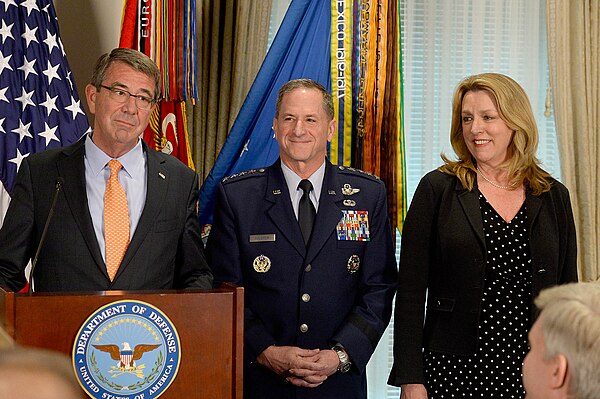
(443, 251)
(340, 306)
(165, 251)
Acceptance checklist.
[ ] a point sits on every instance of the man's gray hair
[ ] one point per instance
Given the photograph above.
(571, 326)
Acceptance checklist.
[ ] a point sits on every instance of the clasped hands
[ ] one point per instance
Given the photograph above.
(301, 367)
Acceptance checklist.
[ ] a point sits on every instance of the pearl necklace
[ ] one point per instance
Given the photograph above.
(510, 186)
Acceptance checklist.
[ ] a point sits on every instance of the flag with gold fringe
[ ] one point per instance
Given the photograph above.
(165, 30)
(366, 75)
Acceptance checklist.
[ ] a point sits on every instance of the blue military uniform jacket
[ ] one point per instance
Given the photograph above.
(333, 291)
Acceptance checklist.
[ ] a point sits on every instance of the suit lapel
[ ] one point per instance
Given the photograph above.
(156, 189)
(281, 212)
(329, 213)
(533, 205)
(469, 200)
(71, 167)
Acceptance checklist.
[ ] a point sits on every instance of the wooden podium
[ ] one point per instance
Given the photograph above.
(209, 324)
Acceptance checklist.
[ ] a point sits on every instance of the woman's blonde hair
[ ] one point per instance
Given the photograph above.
(515, 110)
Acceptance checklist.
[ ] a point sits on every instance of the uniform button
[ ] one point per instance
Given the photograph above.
(305, 297)
(303, 328)
(308, 268)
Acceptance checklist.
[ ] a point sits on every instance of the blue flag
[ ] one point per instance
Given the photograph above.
(39, 105)
(301, 49)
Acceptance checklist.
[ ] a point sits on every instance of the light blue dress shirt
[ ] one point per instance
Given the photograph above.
(292, 180)
(132, 177)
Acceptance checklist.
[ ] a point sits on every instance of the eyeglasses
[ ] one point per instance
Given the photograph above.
(122, 96)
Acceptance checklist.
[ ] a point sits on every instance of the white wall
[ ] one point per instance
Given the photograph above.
(88, 28)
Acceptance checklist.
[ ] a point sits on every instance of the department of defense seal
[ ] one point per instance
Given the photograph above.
(127, 350)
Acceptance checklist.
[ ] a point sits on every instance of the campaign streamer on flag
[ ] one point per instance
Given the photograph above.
(165, 30)
(366, 75)
(39, 104)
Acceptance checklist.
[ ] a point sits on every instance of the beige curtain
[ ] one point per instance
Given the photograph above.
(574, 55)
(232, 40)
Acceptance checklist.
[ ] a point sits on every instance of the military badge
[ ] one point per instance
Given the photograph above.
(353, 264)
(262, 264)
(354, 226)
(348, 190)
(126, 349)
(348, 202)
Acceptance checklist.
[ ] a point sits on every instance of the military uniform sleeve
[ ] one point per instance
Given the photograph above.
(223, 251)
(371, 312)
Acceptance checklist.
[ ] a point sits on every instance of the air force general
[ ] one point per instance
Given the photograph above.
(312, 246)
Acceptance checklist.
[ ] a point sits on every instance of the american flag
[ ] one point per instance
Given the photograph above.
(39, 105)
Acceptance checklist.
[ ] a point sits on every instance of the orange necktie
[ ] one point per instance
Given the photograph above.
(116, 220)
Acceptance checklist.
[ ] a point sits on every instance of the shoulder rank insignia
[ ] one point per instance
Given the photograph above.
(348, 190)
(354, 226)
(356, 172)
(244, 173)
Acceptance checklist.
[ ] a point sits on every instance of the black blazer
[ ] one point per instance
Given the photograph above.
(165, 251)
(443, 252)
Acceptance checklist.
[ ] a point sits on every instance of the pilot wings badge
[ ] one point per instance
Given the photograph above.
(347, 189)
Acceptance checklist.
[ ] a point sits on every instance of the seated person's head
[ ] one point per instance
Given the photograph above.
(564, 359)
(29, 373)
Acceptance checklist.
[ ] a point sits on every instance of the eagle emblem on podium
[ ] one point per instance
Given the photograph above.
(126, 356)
(126, 349)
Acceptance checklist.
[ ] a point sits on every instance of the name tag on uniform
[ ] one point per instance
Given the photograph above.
(354, 226)
(262, 237)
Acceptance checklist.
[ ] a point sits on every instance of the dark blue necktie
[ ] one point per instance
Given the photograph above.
(306, 210)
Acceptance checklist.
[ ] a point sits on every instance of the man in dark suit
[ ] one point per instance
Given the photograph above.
(161, 247)
(312, 246)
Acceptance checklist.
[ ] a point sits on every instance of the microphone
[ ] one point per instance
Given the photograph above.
(59, 182)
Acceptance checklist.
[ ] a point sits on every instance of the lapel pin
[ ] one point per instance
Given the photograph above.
(331, 192)
(161, 175)
(276, 192)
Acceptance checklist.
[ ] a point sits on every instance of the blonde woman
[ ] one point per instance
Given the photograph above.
(483, 235)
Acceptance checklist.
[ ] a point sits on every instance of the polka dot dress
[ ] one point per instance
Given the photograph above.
(494, 371)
